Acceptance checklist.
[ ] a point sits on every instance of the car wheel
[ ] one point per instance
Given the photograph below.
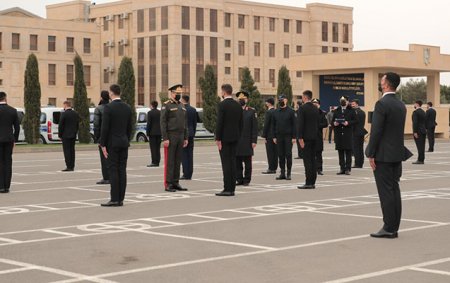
(141, 138)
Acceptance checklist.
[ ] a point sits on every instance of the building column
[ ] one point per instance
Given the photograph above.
(434, 89)
(371, 94)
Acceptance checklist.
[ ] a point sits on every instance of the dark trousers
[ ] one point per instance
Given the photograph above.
(228, 159)
(117, 161)
(420, 144)
(272, 155)
(387, 176)
(345, 160)
(105, 165)
(188, 159)
(6, 150)
(319, 160)
(155, 148)
(69, 152)
(284, 146)
(243, 175)
(299, 150)
(330, 133)
(174, 156)
(430, 135)
(309, 161)
(358, 150)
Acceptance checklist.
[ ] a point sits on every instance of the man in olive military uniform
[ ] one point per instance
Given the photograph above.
(247, 141)
(175, 137)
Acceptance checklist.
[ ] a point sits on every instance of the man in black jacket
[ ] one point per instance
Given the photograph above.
(188, 151)
(247, 141)
(322, 124)
(431, 125)
(8, 121)
(154, 134)
(98, 114)
(419, 131)
(117, 126)
(67, 132)
(307, 131)
(386, 151)
(284, 132)
(298, 108)
(228, 131)
(271, 147)
(359, 132)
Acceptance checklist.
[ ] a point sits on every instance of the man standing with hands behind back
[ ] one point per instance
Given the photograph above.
(419, 131)
(154, 134)
(431, 125)
(67, 132)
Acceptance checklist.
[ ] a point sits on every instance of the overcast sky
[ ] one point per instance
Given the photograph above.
(377, 24)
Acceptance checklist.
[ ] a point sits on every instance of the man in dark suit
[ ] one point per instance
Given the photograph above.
(344, 118)
(188, 151)
(271, 147)
(359, 132)
(247, 141)
(431, 125)
(154, 134)
(117, 125)
(419, 131)
(307, 131)
(67, 132)
(298, 108)
(322, 124)
(228, 131)
(8, 121)
(386, 151)
(98, 114)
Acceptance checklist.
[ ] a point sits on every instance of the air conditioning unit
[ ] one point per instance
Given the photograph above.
(110, 43)
(110, 69)
(123, 41)
(109, 18)
(124, 16)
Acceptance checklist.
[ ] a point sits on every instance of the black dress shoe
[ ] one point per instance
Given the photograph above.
(103, 182)
(430, 150)
(153, 165)
(359, 167)
(111, 203)
(239, 183)
(306, 187)
(320, 173)
(281, 177)
(184, 178)
(288, 177)
(245, 184)
(342, 172)
(225, 194)
(177, 187)
(4, 191)
(67, 170)
(269, 172)
(347, 172)
(298, 157)
(418, 162)
(170, 188)
(121, 203)
(384, 234)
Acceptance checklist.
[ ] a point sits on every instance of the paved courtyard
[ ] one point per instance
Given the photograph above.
(54, 230)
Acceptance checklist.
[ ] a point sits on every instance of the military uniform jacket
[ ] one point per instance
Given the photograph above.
(173, 119)
(419, 120)
(343, 135)
(323, 123)
(249, 132)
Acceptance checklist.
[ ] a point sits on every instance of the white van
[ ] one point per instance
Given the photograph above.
(201, 131)
(20, 114)
(141, 124)
(49, 124)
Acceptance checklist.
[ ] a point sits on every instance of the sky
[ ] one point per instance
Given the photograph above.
(377, 24)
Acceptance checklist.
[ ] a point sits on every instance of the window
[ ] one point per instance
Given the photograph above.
(87, 75)
(241, 21)
(257, 75)
(140, 20)
(241, 48)
(346, 33)
(87, 45)
(152, 71)
(1, 64)
(286, 51)
(299, 49)
(227, 57)
(240, 74)
(70, 42)
(286, 25)
(271, 49)
(257, 49)
(185, 17)
(299, 26)
(272, 24)
(105, 50)
(272, 77)
(335, 49)
(185, 62)
(121, 49)
(227, 43)
(120, 23)
(33, 42)
(1, 35)
(213, 51)
(69, 75)
(335, 32)
(213, 20)
(105, 24)
(52, 101)
(299, 74)
(345, 49)
(15, 44)
(227, 71)
(324, 49)
(257, 22)
(227, 19)
(1, 82)
(324, 31)
(200, 64)
(51, 43)
(51, 74)
(152, 19)
(164, 17)
(199, 19)
(164, 62)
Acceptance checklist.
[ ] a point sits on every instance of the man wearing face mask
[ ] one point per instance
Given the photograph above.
(419, 131)
(271, 148)
(344, 118)
(247, 141)
(174, 133)
(284, 132)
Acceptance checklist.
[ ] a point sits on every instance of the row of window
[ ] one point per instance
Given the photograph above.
(152, 19)
(257, 20)
(257, 74)
(70, 74)
(108, 45)
(110, 18)
(335, 49)
(335, 32)
(199, 19)
(257, 49)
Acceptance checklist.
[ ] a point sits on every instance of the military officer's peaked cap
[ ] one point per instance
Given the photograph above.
(344, 97)
(177, 88)
(242, 94)
(282, 96)
(316, 100)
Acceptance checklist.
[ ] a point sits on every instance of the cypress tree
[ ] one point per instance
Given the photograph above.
(284, 84)
(80, 101)
(208, 85)
(32, 99)
(255, 99)
(127, 82)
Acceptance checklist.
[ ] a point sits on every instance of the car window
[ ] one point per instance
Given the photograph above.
(43, 118)
(20, 115)
(142, 118)
(56, 117)
(91, 118)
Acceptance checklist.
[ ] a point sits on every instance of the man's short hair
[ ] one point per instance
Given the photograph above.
(299, 101)
(154, 104)
(308, 94)
(68, 103)
(356, 101)
(227, 88)
(393, 79)
(270, 100)
(419, 102)
(430, 103)
(185, 98)
(115, 89)
(2, 95)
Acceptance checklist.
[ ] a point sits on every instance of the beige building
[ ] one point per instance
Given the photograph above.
(55, 43)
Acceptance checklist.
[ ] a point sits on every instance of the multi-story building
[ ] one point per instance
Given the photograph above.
(55, 44)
